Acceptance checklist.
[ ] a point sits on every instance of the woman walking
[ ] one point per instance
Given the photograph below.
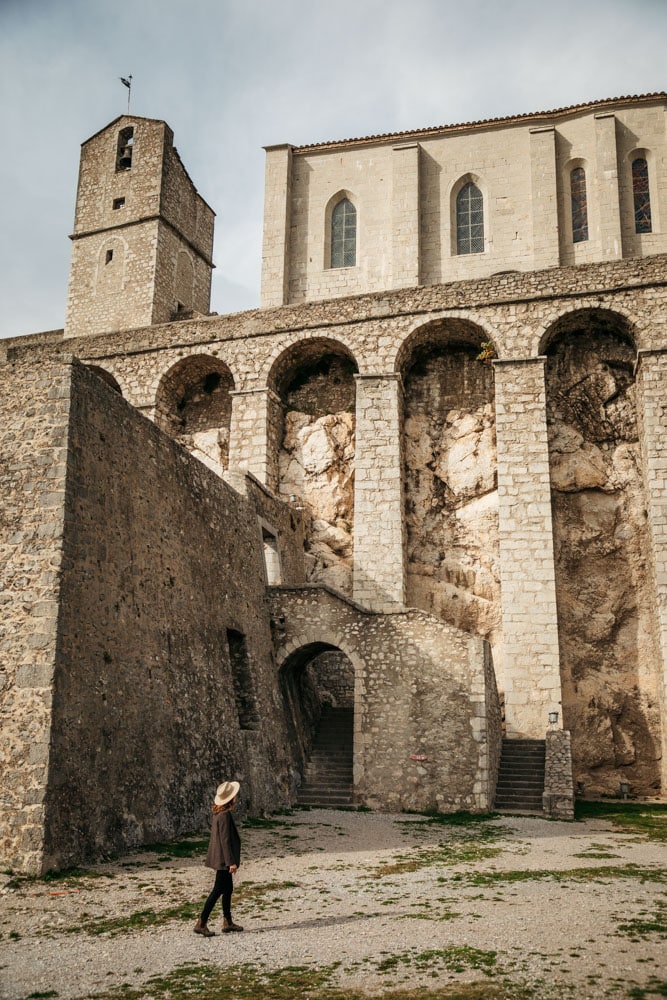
(224, 856)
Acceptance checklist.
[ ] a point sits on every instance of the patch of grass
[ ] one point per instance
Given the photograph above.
(186, 848)
(246, 982)
(139, 921)
(654, 988)
(456, 819)
(633, 817)
(647, 925)
(42, 996)
(566, 875)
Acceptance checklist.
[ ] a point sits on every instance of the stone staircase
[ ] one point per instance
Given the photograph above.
(521, 776)
(327, 779)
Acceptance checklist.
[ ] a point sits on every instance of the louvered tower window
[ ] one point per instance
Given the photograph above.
(579, 205)
(344, 234)
(641, 195)
(469, 220)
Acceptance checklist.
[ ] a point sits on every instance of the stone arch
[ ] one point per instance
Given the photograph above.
(584, 319)
(451, 505)
(106, 376)
(310, 673)
(193, 404)
(610, 666)
(314, 380)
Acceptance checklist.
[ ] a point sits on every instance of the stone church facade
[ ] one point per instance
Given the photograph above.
(426, 479)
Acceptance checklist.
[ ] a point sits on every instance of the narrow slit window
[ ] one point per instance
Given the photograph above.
(579, 205)
(118, 203)
(108, 257)
(244, 692)
(271, 558)
(469, 220)
(641, 195)
(344, 234)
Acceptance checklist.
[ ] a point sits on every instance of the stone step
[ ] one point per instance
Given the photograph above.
(327, 779)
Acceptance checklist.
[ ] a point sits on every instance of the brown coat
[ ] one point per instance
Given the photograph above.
(224, 848)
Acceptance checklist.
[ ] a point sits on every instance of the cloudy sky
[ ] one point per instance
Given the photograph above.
(230, 76)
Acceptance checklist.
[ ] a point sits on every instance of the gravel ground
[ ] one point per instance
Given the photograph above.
(372, 892)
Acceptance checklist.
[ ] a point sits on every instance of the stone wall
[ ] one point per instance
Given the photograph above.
(404, 188)
(120, 697)
(33, 465)
(427, 719)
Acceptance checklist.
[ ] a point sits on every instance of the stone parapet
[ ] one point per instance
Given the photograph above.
(558, 781)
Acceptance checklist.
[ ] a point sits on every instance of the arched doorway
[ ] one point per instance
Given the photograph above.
(317, 684)
(451, 507)
(609, 659)
(194, 405)
(315, 382)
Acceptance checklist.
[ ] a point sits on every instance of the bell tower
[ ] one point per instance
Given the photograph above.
(143, 236)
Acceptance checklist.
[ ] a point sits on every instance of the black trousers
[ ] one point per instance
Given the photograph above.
(224, 886)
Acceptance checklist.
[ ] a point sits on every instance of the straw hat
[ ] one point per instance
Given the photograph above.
(227, 791)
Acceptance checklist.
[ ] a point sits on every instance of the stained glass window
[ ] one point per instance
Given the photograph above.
(344, 234)
(469, 220)
(579, 205)
(641, 195)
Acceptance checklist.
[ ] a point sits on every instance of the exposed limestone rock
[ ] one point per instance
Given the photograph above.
(609, 661)
(451, 498)
(316, 464)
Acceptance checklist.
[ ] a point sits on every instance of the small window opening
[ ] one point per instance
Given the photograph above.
(469, 220)
(180, 307)
(119, 203)
(344, 234)
(109, 257)
(579, 205)
(212, 382)
(271, 558)
(125, 148)
(244, 692)
(641, 195)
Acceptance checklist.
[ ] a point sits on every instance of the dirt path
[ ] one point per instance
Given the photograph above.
(367, 903)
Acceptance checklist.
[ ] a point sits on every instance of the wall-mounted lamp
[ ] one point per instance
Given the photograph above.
(624, 789)
(553, 720)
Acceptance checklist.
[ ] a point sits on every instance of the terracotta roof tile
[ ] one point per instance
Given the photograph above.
(435, 130)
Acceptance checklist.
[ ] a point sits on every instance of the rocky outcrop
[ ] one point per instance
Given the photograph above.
(316, 464)
(451, 496)
(609, 662)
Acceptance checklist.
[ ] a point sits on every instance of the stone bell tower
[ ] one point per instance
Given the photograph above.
(143, 236)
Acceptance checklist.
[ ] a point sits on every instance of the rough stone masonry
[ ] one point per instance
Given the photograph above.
(426, 481)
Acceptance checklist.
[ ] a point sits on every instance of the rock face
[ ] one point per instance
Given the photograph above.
(609, 662)
(316, 464)
(451, 495)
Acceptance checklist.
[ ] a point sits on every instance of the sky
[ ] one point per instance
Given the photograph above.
(232, 76)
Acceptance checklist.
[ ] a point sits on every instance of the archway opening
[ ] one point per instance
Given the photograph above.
(316, 384)
(317, 684)
(194, 406)
(609, 659)
(451, 506)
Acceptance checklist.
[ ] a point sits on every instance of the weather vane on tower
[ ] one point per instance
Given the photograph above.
(127, 82)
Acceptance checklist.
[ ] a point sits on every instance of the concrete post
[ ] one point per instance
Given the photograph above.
(379, 538)
(405, 215)
(606, 177)
(275, 245)
(546, 243)
(652, 412)
(256, 426)
(527, 572)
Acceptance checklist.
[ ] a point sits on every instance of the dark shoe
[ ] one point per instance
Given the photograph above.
(202, 929)
(229, 925)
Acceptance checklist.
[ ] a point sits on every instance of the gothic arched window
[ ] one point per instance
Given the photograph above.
(579, 205)
(469, 220)
(344, 234)
(641, 195)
